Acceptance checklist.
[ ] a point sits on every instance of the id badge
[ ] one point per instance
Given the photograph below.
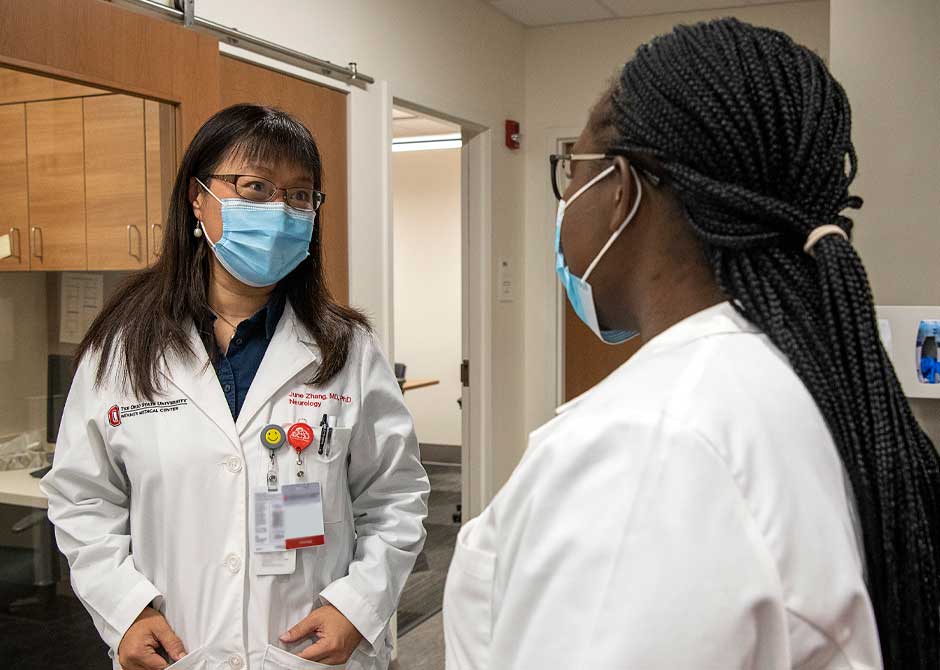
(289, 518)
(275, 563)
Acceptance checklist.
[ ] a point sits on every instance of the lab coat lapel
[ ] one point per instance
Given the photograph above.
(198, 380)
(290, 351)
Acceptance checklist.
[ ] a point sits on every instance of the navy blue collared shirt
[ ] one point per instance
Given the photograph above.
(238, 367)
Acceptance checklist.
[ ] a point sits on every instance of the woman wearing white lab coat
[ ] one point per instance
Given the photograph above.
(230, 340)
(750, 490)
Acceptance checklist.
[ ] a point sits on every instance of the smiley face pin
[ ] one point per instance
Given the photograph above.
(272, 437)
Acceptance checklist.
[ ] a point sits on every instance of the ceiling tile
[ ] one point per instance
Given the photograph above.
(628, 8)
(551, 12)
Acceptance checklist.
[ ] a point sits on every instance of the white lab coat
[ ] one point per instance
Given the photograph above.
(690, 511)
(157, 508)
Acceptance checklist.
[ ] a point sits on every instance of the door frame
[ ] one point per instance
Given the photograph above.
(476, 307)
(477, 480)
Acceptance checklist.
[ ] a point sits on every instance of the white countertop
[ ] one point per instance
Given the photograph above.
(17, 487)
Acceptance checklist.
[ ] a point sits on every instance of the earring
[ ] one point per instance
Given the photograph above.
(197, 231)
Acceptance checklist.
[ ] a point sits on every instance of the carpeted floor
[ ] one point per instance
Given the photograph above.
(423, 647)
(425, 588)
(60, 637)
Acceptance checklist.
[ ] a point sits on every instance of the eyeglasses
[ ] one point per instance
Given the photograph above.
(259, 189)
(561, 165)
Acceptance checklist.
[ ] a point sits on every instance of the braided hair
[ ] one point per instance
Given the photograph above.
(752, 134)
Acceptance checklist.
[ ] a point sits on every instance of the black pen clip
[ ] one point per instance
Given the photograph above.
(324, 427)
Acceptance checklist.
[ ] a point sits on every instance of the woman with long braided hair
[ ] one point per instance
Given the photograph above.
(751, 489)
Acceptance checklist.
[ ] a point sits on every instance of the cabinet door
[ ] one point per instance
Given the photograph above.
(115, 183)
(160, 129)
(56, 169)
(14, 216)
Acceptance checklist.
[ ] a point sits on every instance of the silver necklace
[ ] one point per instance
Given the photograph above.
(231, 325)
(234, 327)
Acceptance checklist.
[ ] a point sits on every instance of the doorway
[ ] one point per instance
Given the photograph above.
(426, 186)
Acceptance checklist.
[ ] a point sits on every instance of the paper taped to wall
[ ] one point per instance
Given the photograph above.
(6, 246)
(81, 299)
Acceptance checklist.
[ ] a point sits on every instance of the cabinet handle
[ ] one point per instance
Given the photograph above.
(15, 234)
(153, 233)
(130, 245)
(36, 247)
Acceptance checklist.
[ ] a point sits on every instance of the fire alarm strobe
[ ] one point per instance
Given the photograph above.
(512, 134)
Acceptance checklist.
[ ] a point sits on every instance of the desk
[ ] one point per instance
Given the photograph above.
(17, 487)
(411, 385)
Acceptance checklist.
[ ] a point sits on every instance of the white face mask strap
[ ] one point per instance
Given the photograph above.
(613, 238)
(591, 183)
(205, 235)
(199, 181)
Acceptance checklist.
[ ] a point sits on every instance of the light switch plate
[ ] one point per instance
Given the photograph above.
(504, 281)
(899, 328)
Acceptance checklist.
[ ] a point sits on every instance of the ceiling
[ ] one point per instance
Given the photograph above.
(406, 123)
(534, 13)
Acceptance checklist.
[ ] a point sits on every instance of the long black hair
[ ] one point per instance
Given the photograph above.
(752, 134)
(150, 316)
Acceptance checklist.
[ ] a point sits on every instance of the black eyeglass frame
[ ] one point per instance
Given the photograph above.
(554, 159)
(317, 197)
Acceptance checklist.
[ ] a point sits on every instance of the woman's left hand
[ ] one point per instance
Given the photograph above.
(337, 637)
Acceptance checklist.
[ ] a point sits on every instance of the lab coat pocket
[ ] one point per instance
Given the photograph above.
(276, 658)
(194, 660)
(330, 470)
(468, 604)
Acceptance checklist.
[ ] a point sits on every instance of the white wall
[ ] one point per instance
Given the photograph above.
(427, 227)
(23, 355)
(458, 57)
(887, 56)
(29, 312)
(567, 69)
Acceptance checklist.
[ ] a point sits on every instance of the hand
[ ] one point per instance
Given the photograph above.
(337, 637)
(138, 647)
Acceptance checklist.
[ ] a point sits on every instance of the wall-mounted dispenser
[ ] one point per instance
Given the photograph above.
(911, 336)
(928, 334)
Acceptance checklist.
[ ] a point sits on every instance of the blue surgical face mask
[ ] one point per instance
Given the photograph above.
(579, 291)
(262, 242)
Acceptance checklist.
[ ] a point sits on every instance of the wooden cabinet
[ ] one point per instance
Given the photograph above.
(115, 183)
(14, 216)
(160, 133)
(56, 170)
(85, 181)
